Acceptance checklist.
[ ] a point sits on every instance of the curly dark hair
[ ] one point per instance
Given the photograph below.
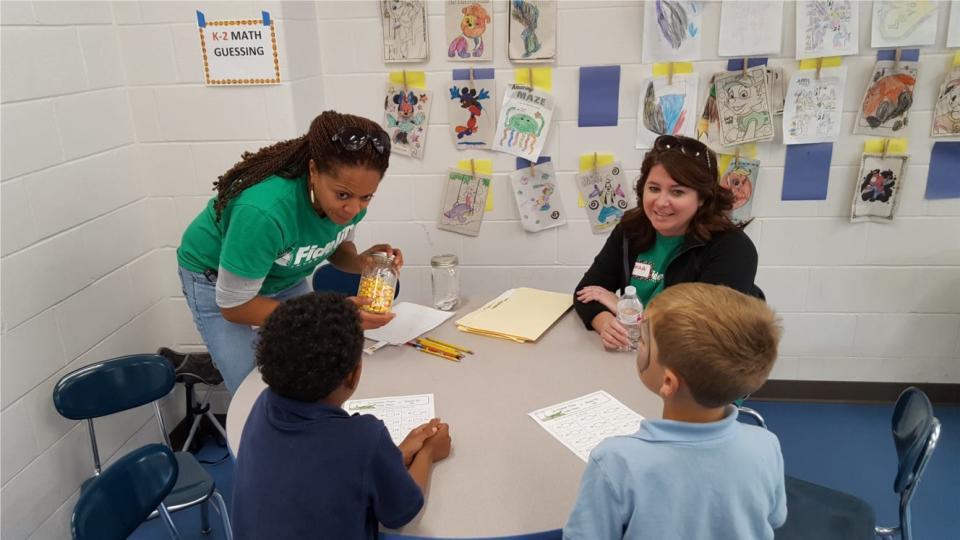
(289, 159)
(309, 344)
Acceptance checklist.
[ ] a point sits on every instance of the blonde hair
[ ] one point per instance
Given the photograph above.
(722, 343)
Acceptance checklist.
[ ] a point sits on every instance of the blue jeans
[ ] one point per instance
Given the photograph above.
(231, 345)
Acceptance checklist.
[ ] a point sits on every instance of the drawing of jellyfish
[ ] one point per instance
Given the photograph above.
(522, 130)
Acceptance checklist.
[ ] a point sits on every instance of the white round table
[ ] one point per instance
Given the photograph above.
(505, 475)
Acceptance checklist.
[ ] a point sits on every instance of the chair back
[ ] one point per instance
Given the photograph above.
(125, 494)
(913, 425)
(329, 278)
(112, 386)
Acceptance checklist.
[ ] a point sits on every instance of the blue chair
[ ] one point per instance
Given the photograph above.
(125, 494)
(124, 383)
(819, 512)
(329, 278)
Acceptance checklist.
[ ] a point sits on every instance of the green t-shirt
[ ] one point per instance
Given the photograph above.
(647, 273)
(269, 231)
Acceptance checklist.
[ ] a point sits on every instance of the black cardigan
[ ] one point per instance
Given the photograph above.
(729, 258)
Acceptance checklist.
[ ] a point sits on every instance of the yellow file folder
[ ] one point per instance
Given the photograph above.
(521, 314)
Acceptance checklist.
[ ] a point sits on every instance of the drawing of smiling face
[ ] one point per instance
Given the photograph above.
(742, 98)
(950, 102)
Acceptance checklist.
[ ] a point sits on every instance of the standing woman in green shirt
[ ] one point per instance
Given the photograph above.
(277, 214)
(680, 232)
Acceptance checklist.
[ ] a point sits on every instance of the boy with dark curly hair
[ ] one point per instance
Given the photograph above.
(307, 469)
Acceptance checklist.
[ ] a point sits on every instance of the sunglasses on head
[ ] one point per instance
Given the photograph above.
(353, 139)
(686, 146)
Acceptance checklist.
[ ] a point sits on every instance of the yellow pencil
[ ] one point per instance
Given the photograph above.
(434, 353)
(438, 342)
(434, 345)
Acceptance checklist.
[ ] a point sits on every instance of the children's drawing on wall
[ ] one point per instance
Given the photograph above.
(469, 30)
(740, 177)
(743, 105)
(778, 90)
(604, 196)
(953, 25)
(538, 197)
(750, 28)
(524, 122)
(813, 108)
(902, 24)
(708, 125)
(666, 109)
(827, 28)
(946, 113)
(406, 116)
(404, 30)
(464, 201)
(472, 112)
(887, 101)
(878, 186)
(671, 31)
(532, 30)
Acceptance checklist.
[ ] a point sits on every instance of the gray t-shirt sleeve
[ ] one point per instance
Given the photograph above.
(234, 290)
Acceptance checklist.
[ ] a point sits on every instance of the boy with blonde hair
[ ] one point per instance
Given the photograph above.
(697, 473)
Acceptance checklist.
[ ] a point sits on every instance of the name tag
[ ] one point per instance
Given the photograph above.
(642, 270)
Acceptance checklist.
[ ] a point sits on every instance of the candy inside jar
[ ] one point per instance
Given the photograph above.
(378, 283)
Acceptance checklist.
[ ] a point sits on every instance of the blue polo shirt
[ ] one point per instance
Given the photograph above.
(679, 480)
(310, 470)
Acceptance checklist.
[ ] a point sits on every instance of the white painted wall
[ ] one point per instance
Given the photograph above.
(110, 145)
(860, 301)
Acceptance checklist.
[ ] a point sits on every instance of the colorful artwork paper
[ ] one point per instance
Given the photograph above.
(532, 30)
(604, 192)
(946, 112)
(406, 117)
(827, 28)
(903, 24)
(524, 122)
(814, 106)
(743, 105)
(464, 200)
(671, 31)
(877, 190)
(472, 108)
(667, 109)
(469, 26)
(538, 197)
(740, 176)
(886, 103)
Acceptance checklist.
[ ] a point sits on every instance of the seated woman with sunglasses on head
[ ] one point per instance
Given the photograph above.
(680, 232)
(277, 215)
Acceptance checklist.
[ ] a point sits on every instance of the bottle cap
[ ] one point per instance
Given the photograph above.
(443, 261)
(630, 290)
(382, 256)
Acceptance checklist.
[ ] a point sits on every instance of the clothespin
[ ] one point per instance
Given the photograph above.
(596, 164)
(886, 146)
(819, 66)
(670, 74)
(533, 169)
(896, 59)
(471, 76)
(736, 156)
(404, 81)
(745, 58)
(473, 170)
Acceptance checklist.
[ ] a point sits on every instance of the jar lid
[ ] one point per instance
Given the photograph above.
(382, 256)
(443, 261)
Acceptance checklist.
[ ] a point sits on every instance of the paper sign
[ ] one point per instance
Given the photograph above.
(241, 52)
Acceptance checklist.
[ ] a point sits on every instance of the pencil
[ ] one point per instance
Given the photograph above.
(434, 353)
(438, 342)
(430, 344)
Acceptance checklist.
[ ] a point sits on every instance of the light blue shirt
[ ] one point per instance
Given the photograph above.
(685, 481)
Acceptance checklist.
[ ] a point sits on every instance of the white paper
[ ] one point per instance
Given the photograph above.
(538, 197)
(671, 31)
(813, 107)
(604, 192)
(903, 24)
(581, 423)
(469, 30)
(524, 122)
(411, 321)
(400, 413)
(404, 26)
(240, 53)
(953, 26)
(406, 116)
(743, 105)
(827, 28)
(750, 28)
(667, 109)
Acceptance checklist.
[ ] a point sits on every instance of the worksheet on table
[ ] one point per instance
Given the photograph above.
(581, 423)
(400, 413)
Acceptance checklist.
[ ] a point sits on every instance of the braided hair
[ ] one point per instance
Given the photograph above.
(289, 159)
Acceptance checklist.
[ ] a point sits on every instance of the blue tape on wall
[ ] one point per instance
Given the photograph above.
(806, 172)
(464, 74)
(599, 96)
(907, 55)
(201, 20)
(523, 163)
(736, 64)
(266, 17)
(943, 178)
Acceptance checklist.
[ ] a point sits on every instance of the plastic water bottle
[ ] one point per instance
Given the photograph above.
(629, 311)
